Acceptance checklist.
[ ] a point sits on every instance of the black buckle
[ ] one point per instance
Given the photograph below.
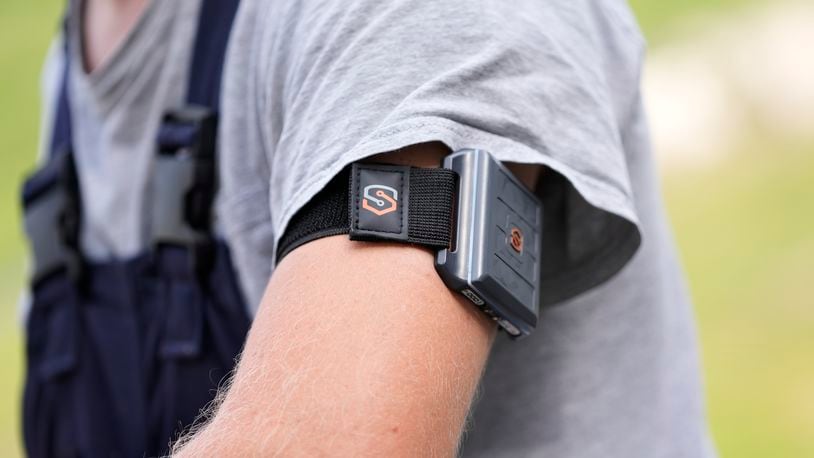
(184, 183)
(52, 203)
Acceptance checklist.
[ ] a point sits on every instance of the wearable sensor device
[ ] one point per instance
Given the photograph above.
(495, 257)
(484, 224)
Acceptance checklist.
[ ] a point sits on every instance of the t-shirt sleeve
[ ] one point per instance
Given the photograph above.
(532, 82)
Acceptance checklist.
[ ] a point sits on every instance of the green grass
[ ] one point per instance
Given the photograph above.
(26, 28)
(746, 232)
(745, 229)
(661, 20)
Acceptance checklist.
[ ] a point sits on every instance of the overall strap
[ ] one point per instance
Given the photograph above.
(184, 181)
(61, 131)
(214, 25)
(110, 398)
(195, 336)
(50, 196)
(61, 134)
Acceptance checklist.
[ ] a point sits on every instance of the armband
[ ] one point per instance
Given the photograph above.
(484, 224)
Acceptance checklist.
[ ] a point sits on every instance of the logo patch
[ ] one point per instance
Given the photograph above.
(384, 202)
(379, 198)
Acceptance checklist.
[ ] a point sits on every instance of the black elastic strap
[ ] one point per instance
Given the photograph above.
(423, 214)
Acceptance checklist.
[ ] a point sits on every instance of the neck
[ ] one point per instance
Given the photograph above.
(105, 25)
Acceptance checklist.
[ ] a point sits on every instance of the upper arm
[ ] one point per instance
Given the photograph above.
(363, 341)
(358, 348)
(360, 345)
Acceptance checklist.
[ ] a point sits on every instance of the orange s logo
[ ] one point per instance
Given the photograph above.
(516, 240)
(383, 203)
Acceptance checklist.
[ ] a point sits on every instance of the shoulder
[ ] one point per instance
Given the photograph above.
(284, 43)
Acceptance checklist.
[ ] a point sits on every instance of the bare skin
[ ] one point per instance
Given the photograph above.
(358, 349)
(106, 24)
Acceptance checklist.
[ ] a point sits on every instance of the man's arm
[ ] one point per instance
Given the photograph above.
(358, 349)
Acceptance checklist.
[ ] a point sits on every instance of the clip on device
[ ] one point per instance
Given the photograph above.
(483, 223)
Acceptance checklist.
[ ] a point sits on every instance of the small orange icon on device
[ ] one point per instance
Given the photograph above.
(383, 203)
(516, 240)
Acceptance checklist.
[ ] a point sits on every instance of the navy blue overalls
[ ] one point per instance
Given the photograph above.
(122, 355)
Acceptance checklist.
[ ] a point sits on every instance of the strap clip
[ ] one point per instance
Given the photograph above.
(185, 183)
(51, 204)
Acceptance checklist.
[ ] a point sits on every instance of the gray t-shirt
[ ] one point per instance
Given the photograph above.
(612, 370)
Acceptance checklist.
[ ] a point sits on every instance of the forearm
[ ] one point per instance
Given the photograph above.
(357, 350)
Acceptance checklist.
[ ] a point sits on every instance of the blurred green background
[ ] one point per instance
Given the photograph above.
(742, 207)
